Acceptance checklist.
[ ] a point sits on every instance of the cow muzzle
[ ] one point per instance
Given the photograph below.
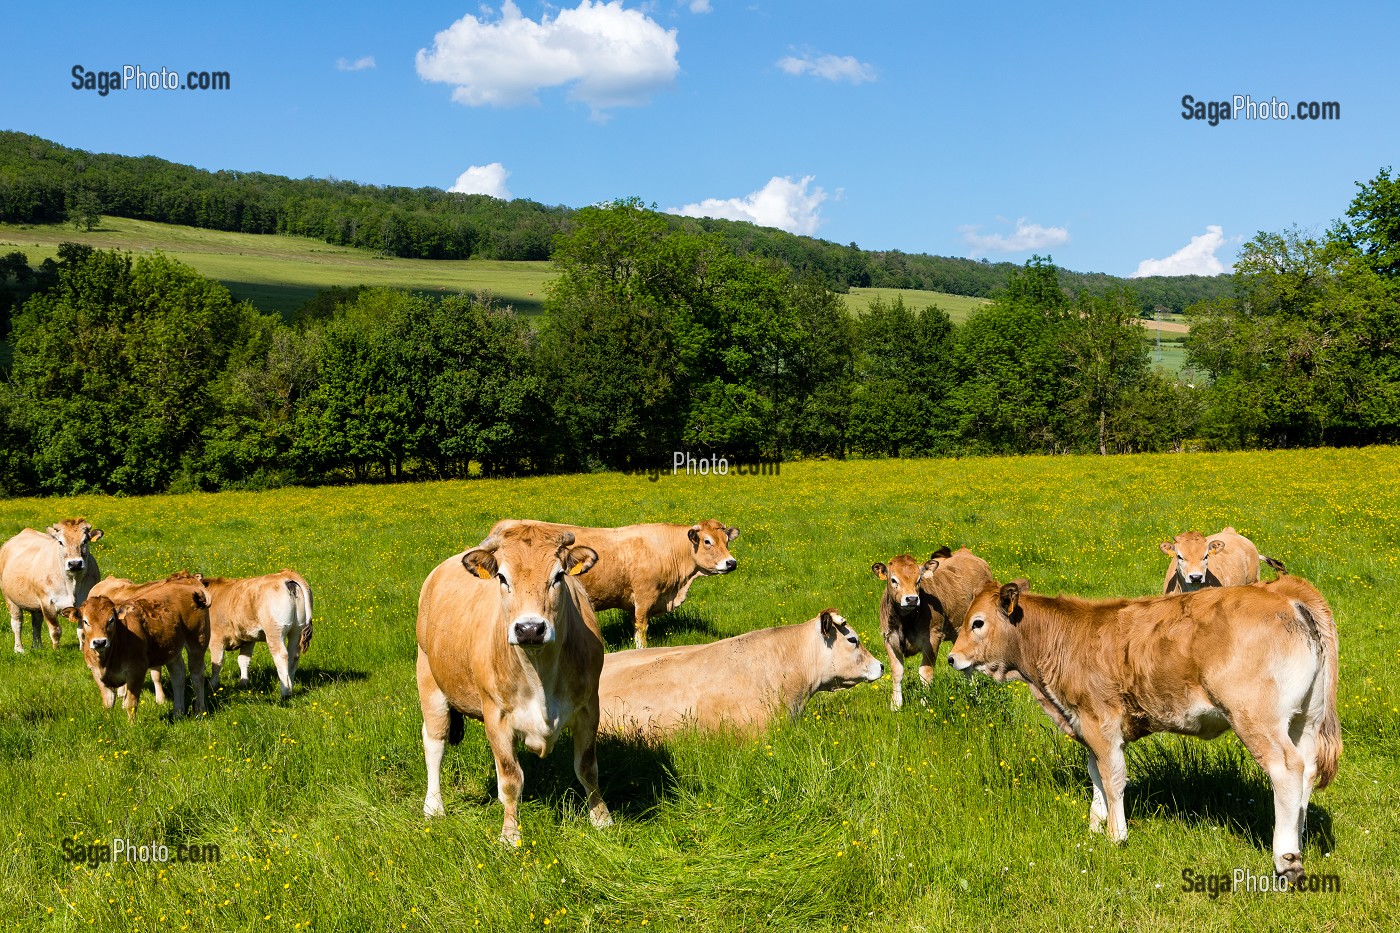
(531, 633)
(99, 644)
(959, 664)
(76, 565)
(909, 602)
(727, 566)
(1195, 578)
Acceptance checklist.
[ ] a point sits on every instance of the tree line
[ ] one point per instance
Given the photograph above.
(42, 182)
(137, 375)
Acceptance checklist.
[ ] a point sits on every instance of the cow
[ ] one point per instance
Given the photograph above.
(735, 684)
(1260, 659)
(1226, 558)
(922, 605)
(648, 569)
(46, 572)
(166, 625)
(506, 635)
(275, 608)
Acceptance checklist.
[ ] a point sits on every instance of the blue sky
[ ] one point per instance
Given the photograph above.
(993, 130)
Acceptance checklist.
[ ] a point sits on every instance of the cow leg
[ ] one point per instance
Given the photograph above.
(1109, 761)
(437, 720)
(1098, 807)
(585, 729)
(509, 777)
(1277, 755)
(109, 696)
(55, 629)
(293, 656)
(155, 686)
(196, 657)
(896, 674)
(36, 622)
(279, 660)
(245, 660)
(133, 695)
(177, 685)
(926, 668)
(16, 623)
(639, 623)
(216, 662)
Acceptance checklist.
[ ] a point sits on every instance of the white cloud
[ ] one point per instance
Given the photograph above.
(484, 179)
(783, 203)
(1027, 236)
(830, 67)
(1195, 258)
(359, 64)
(700, 6)
(609, 56)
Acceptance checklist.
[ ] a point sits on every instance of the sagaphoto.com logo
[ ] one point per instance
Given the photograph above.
(1243, 107)
(134, 77)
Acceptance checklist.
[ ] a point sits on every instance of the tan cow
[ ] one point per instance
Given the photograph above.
(1226, 558)
(648, 569)
(1261, 659)
(922, 606)
(46, 572)
(506, 636)
(737, 683)
(122, 642)
(275, 608)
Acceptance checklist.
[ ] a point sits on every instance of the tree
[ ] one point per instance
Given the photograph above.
(1374, 228)
(84, 210)
(1107, 359)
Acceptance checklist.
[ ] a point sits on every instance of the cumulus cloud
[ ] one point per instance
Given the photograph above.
(794, 206)
(700, 6)
(359, 64)
(484, 179)
(1195, 258)
(1027, 236)
(830, 67)
(608, 56)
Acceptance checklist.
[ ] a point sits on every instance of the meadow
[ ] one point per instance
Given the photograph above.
(965, 810)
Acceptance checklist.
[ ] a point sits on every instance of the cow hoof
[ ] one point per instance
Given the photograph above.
(1289, 866)
(244, 682)
(1096, 823)
(432, 808)
(601, 820)
(896, 703)
(510, 837)
(19, 650)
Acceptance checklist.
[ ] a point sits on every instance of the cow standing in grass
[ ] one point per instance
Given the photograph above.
(648, 569)
(1261, 659)
(44, 573)
(274, 608)
(1226, 558)
(506, 636)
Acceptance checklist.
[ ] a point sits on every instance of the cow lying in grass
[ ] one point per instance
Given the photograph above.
(1261, 659)
(166, 626)
(737, 683)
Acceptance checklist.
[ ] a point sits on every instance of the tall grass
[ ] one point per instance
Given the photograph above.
(964, 810)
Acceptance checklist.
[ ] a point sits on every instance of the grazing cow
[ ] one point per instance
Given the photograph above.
(648, 569)
(923, 605)
(1226, 558)
(737, 683)
(147, 632)
(46, 572)
(1261, 659)
(506, 636)
(275, 608)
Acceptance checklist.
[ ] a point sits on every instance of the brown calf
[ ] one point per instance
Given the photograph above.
(1261, 659)
(1226, 558)
(648, 569)
(506, 636)
(736, 683)
(274, 608)
(45, 573)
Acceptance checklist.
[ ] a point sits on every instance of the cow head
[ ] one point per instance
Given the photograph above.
(1191, 552)
(901, 576)
(847, 662)
(989, 640)
(709, 541)
(99, 627)
(532, 566)
(74, 535)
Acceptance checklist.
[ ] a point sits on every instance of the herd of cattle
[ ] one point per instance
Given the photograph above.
(508, 634)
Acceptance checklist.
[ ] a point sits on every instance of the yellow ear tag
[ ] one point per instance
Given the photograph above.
(576, 569)
(482, 572)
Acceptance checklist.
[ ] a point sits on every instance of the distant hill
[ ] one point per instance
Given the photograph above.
(44, 182)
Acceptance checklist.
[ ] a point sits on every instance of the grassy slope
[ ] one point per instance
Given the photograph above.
(965, 810)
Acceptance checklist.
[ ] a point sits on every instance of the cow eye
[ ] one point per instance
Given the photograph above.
(978, 623)
(504, 581)
(559, 578)
(853, 638)
(709, 541)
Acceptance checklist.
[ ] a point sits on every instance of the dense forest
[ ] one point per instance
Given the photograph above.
(135, 374)
(43, 182)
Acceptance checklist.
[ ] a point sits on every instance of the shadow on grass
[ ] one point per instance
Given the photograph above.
(1197, 782)
(263, 682)
(635, 777)
(683, 625)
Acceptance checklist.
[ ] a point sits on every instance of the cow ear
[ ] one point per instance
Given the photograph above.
(481, 563)
(1009, 598)
(929, 566)
(72, 614)
(1216, 545)
(1168, 548)
(95, 534)
(201, 599)
(827, 623)
(578, 560)
(55, 532)
(880, 570)
(694, 535)
(731, 533)
(944, 551)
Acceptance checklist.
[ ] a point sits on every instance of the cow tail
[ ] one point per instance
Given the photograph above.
(1315, 613)
(1276, 564)
(301, 601)
(456, 726)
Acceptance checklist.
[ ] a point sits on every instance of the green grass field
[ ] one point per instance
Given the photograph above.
(966, 810)
(279, 273)
(958, 307)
